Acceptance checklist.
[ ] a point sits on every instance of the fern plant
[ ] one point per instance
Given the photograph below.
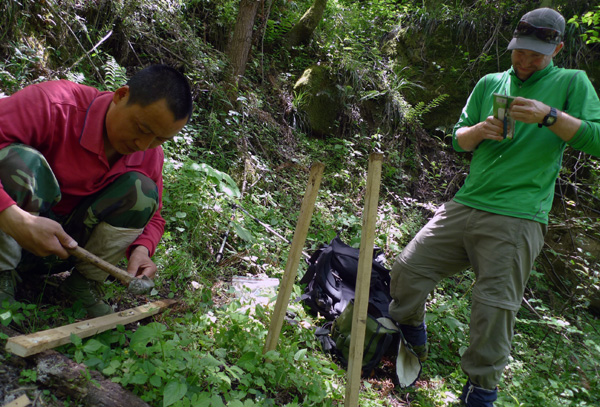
(115, 75)
(415, 114)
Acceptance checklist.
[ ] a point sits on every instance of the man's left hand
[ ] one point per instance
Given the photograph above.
(140, 263)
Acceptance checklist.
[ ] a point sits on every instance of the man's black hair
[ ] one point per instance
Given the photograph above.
(157, 82)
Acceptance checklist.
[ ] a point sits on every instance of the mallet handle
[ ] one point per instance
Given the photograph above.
(103, 265)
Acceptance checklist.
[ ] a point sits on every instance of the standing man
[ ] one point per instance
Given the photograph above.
(81, 166)
(497, 220)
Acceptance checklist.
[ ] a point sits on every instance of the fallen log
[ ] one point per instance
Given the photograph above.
(90, 388)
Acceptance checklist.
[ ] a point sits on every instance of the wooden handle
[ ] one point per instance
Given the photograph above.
(103, 265)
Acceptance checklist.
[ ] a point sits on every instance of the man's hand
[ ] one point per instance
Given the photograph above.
(528, 110)
(140, 263)
(533, 111)
(41, 236)
(469, 137)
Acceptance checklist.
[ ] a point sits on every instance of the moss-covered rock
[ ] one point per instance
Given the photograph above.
(319, 99)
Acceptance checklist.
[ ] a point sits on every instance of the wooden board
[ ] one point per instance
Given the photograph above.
(22, 401)
(26, 345)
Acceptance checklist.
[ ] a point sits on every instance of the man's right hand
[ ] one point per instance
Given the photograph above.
(468, 138)
(41, 236)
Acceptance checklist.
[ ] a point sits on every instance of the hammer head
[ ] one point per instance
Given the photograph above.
(139, 286)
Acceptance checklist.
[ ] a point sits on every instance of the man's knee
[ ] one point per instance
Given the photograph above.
(409, 290)
(129, 202)
(28, 179)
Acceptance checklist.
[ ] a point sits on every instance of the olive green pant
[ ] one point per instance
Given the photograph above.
(106, 223)
(500, 249)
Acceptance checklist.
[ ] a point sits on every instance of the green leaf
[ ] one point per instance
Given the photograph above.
(93, 346)
(146, 334)
(6, 316)
(112, 368)
(75, 340)
(140, 378)
(231, 192)
(248, 361)
(92, 362)
(452, 323)
(243, 233)
(155, 381)
(300, 354)
(78, 356)
(216, 401)
(174, 391)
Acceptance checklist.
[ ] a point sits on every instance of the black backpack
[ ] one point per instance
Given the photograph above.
(330, 284)
(331, 279)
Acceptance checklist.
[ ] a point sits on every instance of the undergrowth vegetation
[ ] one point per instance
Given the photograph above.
(234, 182)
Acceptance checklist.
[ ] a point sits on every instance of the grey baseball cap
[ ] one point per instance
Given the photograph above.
(540, 30)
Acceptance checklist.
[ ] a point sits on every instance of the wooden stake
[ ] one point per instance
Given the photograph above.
(26, 345)
(291, 268)
(363, 278)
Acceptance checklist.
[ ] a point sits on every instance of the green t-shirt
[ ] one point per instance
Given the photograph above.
(516, 177)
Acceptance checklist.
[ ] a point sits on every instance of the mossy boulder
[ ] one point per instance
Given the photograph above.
(319, 99)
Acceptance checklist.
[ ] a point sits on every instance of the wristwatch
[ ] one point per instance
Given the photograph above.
(550, 118)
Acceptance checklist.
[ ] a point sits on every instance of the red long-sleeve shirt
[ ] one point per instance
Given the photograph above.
(65, 122)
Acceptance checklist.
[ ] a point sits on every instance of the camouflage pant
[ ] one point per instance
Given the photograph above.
(128, 203)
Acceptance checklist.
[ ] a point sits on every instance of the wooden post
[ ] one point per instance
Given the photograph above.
(363, 278)
(291, 268)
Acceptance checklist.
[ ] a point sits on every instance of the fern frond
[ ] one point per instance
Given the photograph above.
(115, 75)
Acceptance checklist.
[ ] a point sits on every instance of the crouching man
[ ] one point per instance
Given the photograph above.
(83, 167)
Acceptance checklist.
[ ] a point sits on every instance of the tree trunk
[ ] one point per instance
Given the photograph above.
(238, 49)
(303, 30)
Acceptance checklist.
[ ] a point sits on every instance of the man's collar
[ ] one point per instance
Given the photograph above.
(537, 75)
(92, 134)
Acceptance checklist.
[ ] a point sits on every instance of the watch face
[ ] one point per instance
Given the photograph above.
(550, 119)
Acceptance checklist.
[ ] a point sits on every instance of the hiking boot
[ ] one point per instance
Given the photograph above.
(89, 292)
(473, 396)
(416, 337)
(8, 283)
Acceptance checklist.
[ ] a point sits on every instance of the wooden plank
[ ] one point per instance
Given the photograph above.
(26, 345)
(365, 264)
(22, 401)
(291, 268)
